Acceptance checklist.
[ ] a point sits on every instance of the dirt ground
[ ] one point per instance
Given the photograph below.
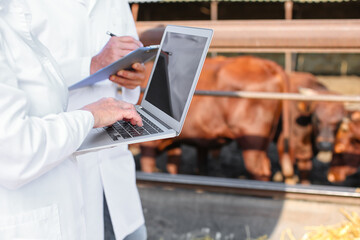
(185, 214)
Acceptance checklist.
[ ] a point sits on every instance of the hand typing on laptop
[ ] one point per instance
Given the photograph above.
(107, 111)
(188, 47)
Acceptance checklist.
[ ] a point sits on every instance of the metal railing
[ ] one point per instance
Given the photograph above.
(270, 36)
(280, 96)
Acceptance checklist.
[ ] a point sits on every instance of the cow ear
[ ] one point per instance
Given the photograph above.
(307, 91)
(355, 116)
(352, 106)
(344, 126)
(306, 107)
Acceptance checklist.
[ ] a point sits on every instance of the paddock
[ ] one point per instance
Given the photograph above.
(229, 206)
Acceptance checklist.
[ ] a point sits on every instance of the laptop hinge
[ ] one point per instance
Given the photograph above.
(156, 118)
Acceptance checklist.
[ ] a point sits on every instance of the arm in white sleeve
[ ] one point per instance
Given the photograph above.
(31, 146)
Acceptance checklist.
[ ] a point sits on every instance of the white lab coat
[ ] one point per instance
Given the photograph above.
(113, 170)
(40, 192)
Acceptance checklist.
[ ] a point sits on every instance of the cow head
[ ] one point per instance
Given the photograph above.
(326, 118)
(346, 159)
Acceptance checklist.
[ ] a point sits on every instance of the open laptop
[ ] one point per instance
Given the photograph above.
(168, 94)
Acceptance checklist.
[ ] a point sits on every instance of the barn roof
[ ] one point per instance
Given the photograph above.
(297, 1)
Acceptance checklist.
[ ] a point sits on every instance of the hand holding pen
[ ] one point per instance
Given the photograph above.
(113, 35)
(117, 47)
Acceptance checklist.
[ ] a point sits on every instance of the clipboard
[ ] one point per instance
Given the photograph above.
(141, 55)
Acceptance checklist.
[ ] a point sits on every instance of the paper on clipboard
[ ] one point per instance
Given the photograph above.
(142, 55)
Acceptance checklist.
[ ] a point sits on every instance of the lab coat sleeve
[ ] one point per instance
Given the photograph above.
(31, 146)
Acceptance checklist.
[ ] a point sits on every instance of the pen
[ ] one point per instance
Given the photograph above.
(113, 35)
(110, 34)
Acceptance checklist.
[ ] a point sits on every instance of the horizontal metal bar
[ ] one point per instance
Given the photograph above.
(280, 96)
(281, 50)
(281, 1)
(252, 187)
(270, 34)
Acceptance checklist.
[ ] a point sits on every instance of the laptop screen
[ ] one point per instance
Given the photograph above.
(175, 71)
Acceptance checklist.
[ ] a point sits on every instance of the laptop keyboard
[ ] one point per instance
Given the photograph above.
(124, 129)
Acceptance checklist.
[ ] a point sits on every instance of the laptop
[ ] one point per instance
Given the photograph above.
(168, 94)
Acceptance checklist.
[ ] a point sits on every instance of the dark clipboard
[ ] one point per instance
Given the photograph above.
(141, 55)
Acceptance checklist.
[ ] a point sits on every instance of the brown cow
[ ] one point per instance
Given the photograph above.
(346, 158)
(311, 123)
(213, 120)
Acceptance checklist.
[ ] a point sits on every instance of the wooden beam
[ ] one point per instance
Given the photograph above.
(214, 10)
(288, 5)
(272, 35)
(135, 11)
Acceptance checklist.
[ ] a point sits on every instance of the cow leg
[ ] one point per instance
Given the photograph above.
(342, 166)
(257, 164)
(285, 160)
(339, 174)
(303, 155)
(287, 168)
(304, 167)
(148, 159)
(174, 158)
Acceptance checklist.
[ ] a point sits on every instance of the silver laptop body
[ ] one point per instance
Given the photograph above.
(168, 94)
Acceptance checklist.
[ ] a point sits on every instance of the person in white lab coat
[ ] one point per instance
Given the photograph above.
(40, 191)
(111, 172)
(78, 41)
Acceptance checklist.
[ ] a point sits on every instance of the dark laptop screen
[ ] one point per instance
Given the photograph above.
(174, 72)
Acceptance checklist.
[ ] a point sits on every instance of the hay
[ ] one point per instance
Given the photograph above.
(347, 230)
